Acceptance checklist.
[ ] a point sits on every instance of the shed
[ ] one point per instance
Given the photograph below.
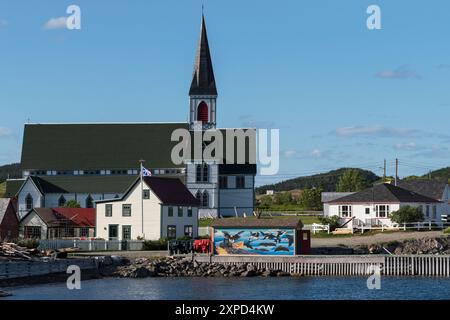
(264, 236)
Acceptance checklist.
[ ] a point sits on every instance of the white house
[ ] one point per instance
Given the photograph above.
(372, 206)
(160, 207)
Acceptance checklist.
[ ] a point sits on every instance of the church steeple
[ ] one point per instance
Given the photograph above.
(203, 91)
(203, 82)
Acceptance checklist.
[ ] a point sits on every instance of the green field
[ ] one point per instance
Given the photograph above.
(2, 189)
(304, 219)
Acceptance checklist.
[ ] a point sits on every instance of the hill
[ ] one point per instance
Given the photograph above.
(327, 181)
(440, 174)
(10, 170)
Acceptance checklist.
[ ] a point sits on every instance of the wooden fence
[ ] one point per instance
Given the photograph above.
(350, 265)
(92, 245)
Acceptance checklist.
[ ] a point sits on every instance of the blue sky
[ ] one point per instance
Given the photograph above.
(342, 95)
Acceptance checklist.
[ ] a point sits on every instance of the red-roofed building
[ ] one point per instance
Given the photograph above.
(58, 223)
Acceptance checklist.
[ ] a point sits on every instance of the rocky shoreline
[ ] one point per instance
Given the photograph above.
(185, 267)
(434, 246)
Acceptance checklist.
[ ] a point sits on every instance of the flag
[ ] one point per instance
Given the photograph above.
(146, 172)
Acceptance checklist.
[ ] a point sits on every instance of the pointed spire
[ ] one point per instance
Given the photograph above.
(203, 82)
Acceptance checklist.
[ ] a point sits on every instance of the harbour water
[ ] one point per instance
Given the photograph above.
(314, 288)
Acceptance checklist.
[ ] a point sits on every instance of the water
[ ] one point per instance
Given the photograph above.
(315, 288)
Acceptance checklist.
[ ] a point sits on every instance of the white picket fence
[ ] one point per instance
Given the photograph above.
(91, 245)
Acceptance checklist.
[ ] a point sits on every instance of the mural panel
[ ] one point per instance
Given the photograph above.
(254, 241)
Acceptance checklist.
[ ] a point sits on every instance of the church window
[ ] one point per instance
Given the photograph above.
(205, 172)
(202, 112)
(205, 199)
(223, 182)
(29, 202)
(61, 201)
(89, 202)
(198, 173)
(240, 182)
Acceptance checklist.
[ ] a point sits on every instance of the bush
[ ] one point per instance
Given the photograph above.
(333, 221)
(185, 238)
(150, 245)
(447, 231)
(407, 214)
(72, 204)
(28, 243)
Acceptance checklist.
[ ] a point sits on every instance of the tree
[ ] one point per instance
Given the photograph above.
(72, 204)
(265, 202)
(407, 214)
(333, 221)
(283, 198)
(311, 199)
(351, 181)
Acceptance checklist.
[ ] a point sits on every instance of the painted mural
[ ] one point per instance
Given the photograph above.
(254, 241)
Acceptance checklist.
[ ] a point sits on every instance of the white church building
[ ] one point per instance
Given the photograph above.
(89, 162)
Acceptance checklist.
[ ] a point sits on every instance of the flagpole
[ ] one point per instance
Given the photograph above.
(142, 197)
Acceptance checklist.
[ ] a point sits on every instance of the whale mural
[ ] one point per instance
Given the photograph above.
(254, 241)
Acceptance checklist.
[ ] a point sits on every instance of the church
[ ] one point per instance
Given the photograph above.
(90, 162)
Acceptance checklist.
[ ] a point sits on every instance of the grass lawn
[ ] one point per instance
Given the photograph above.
(2, 189)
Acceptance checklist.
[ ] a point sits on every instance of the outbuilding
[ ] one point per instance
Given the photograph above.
(263, 236)
(58, 223)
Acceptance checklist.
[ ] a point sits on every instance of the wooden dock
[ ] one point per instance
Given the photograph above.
(349, 265)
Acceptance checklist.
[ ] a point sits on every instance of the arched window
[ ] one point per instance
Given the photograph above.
(61, 201)
(29, 202)
(198, 173)
(89, 202)
(202, 112)
(205, 199)
(205, 172)
(198, 195)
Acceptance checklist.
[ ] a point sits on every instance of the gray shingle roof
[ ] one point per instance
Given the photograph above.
(98, 146)
(430, 188)
(83, 184)
(384, 193)
(108, 146)
(257, 223)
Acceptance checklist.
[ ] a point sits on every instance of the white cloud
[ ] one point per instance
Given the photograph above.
(5, 132)
(402, 72)
(371, 131)
(290, 153)
(316, 153)
(406, 146)
(56, 23)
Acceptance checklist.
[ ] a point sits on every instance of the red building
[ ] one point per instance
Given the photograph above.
(9, 222)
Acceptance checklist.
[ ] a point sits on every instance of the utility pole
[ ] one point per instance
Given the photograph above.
(384, 171)
(396, 171)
